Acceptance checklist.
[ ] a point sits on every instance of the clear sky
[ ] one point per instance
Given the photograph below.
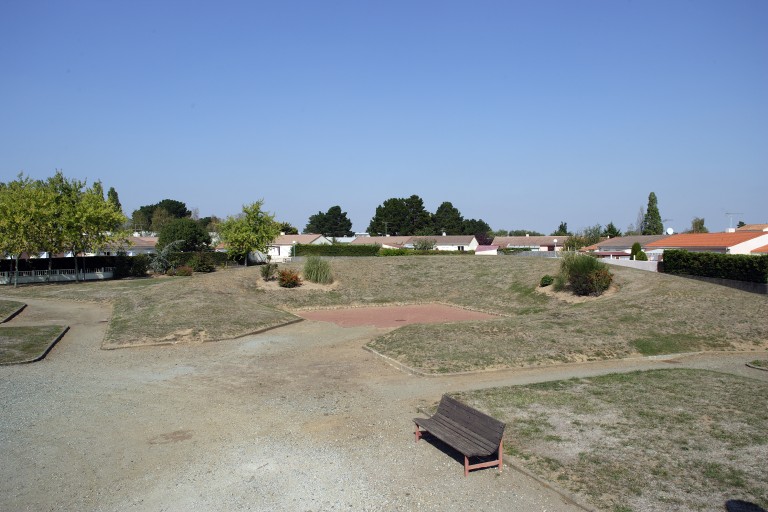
(522, 113)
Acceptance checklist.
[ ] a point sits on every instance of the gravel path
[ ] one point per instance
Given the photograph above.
(297, 418)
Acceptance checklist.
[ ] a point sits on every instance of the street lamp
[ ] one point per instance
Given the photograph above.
(555, 240)
(294, 248)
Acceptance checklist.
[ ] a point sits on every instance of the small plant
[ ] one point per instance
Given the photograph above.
(546, 280)
(184, 271)
(424, 244)
(317, 270)
(201, 262)
(288, 278)
(584, 274)
(268, 271)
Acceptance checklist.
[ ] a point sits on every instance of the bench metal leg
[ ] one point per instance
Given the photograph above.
(417, 432)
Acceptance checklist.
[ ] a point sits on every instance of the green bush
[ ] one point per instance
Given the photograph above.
(737, 267)
(288, 278)
(317, 270)
(337, 250)
(131, 266)
(641, 256)
(184, 271)
(424, 244)
(202, 262)
(584, 275)
(268, 271)
(546, 280)
(218, 259)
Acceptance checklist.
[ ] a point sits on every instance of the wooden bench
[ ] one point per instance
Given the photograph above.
(465, 429)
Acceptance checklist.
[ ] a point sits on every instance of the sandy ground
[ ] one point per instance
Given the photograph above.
(298, 418)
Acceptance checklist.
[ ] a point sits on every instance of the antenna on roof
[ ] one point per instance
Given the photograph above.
(731, 214)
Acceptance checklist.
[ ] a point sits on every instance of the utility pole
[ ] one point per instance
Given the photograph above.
(731, 214)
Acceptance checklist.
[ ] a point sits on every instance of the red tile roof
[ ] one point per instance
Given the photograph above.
(761, 250)
(753, 227)
(704, 240)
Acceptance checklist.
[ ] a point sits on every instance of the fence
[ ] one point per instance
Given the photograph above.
(57, 276)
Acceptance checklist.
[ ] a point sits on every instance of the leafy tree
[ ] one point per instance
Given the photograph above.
(479, 228)
(114, 200)
(288, 228)
(161, 218)
(209, 224)
(333, 223)
(523, 232)
(611, 231)
(697, 226)
(585, 237)
(741, 224)
(419, 219)
(193, 237)
(391, 218)
(177, 209)
(153, 217)
(252, 230)
(424, 244)
(448, 219)
(20, 203)
(562, 230)
(652, 224)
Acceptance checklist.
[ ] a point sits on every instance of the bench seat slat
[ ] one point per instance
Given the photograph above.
(485, 426)
(456, 437)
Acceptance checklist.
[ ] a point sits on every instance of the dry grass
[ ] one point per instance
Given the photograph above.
(9, 307)
(646, 441)
(24, 344)
(648, 313)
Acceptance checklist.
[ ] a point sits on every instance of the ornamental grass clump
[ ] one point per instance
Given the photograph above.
(268, 271)
(317, 270)
(584, 275)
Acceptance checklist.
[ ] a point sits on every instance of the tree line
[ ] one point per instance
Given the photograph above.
(57, 215)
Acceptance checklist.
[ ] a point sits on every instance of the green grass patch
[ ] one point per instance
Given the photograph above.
(653, 441)
(9, 307)
(24, 344)
(675, 344)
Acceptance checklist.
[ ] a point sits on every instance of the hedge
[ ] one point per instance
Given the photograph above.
(414, 252)
(336, 250)
(737, 267)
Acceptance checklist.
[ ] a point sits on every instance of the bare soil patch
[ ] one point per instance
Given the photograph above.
(394, 316)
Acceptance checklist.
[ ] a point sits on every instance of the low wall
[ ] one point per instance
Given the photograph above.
(57, 276)
(650, 266)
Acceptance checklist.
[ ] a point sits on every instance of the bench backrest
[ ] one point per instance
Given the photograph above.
(485, 426)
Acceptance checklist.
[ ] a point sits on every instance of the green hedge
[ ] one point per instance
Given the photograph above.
(185, 258)
(337, 250)
(737, 267)
(414, 252)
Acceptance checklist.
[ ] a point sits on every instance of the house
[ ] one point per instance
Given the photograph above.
(284, 246)
(740, 242)
(387, 242)
(533, 243)
(760, 250)
(487, 250)
(447, 242)
(620, 247)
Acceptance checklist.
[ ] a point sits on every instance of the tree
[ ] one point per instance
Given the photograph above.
(697, 226)
(611, 231)
(252, 230)
(160, 218)
(144, 217)
(114, 200)
(391, 218)
(448, 220)
(652, 224)
(479, 228)
(177, 209)
(334, 223)
(524, 232)
(562, 230)
(741, 224)
(193, 236)
(585, 237)
(419, 219)
(288, 228)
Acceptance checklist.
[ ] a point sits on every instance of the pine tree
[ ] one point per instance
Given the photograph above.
(652, 224)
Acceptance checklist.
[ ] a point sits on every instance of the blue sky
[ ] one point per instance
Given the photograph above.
(522, 113)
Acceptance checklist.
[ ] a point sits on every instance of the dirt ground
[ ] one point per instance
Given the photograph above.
(298, 418)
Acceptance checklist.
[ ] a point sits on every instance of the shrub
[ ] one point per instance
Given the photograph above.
(337, 250)
(202, 262)
(546, 280)
(184, 270)
(424, 244)
(641, 256)
(584, 274)
(268, 271)
(317, 270)
(738, 267)
(288, 278)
